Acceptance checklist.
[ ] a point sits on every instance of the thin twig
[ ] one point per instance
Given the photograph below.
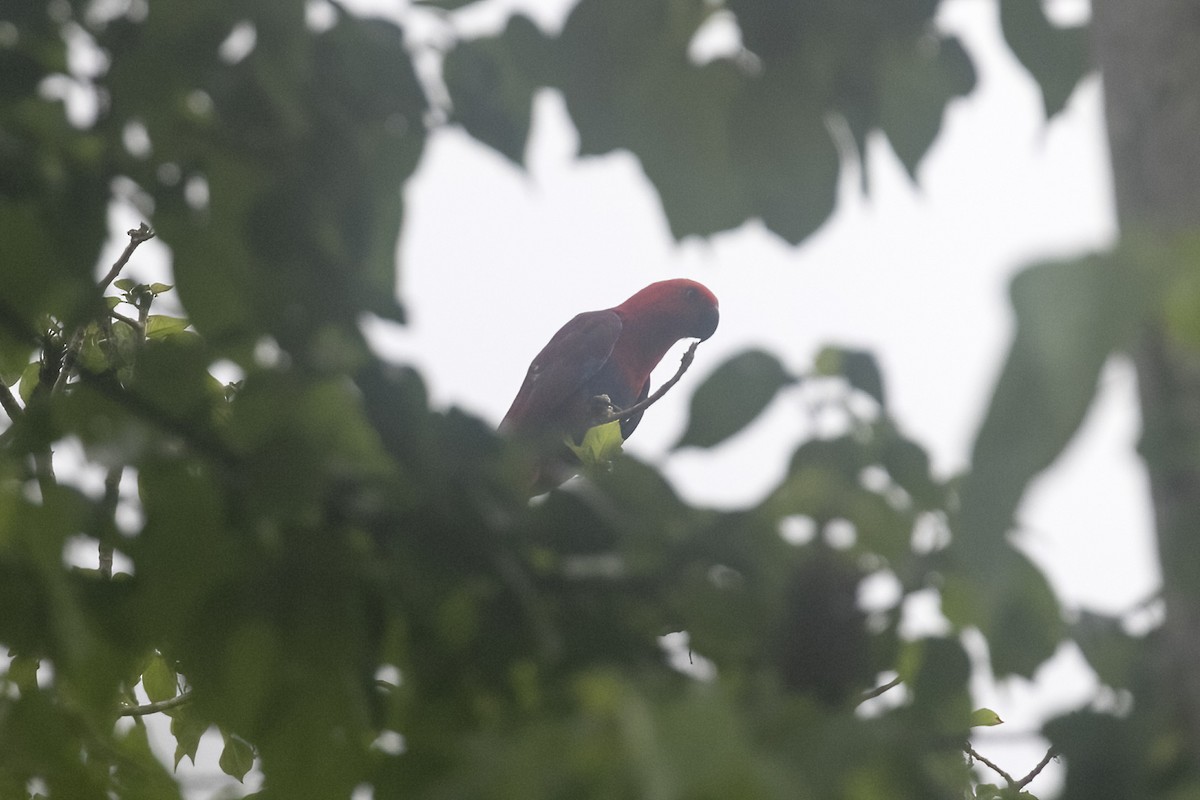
(878, 690)
(43, 470)
(106, 561)
(1012, 782)
(617, 414)
(140, 234)
(50, 370)
(143, 308)
(1051, 754)
(69, 356)
(136, 236)
(970, 751)
(112, 495)
(133, 323)
(153, 708)
(112, 481)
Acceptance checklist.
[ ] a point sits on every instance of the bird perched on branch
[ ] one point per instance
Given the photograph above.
(590, 384)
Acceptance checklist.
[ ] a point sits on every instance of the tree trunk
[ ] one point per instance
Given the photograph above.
(1149, 54)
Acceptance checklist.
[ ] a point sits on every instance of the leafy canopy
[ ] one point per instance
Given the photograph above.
(349, 584)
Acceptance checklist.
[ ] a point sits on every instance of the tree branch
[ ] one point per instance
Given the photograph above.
(1149, 54)
(878, 690)
(9, 403)
(154, 708)
(1051, 754)
(112, 495)
(1012, 782)
(43, 470)
(973, 754)
(611, 414)
(136, 236)
(133, 323)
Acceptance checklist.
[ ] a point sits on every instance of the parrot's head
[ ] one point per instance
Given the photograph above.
(684, 307)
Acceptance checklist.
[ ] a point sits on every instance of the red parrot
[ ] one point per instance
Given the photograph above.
(610, 352)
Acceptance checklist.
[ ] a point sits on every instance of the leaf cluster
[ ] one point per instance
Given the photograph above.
(348, 583)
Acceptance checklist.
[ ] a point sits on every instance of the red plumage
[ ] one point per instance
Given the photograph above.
(610, 352)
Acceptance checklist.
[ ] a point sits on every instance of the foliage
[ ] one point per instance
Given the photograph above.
(747, 128)
(351, 585)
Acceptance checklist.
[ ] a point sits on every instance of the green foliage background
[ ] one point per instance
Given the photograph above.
(350, 585)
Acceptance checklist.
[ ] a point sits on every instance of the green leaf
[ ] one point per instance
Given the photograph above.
(1110, 756)
(14, 358)
(159, 679)
(346, 118)
(237, 757)
(137, 771)
(908, 464)
(732, 397)
(858, 367)
(1111, 652)
(125, 284)
(623, 69)
(29, 381)
(159, 288)
(1070, 317)
(1014, 606)
(939, 686)
(160, 326)
(985, 717)
(172, 373)
(1057, 58)
(187, 727)
(786, 161)
(915, 85)
(50, 242)
(600, 444)
(94, 349)
(22, 672)
(876, 65)
(492, 95)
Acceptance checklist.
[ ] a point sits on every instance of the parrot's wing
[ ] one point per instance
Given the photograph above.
(569, 359)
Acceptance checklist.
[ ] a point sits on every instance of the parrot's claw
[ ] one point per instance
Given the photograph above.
(602, 407)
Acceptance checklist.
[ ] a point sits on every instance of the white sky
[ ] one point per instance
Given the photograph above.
(494, 260)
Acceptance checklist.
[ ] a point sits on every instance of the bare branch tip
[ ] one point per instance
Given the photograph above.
(878, 690)
(620, 414)
(141, 233)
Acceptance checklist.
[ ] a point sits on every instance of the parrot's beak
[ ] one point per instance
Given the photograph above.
(707, 323)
